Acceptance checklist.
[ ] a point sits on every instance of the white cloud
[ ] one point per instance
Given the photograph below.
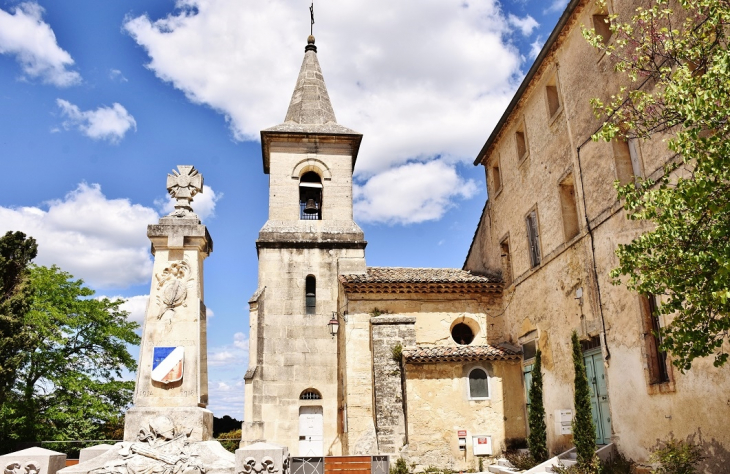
(556, 6)
(104, 241)
(116, 75)
(209, 313)
(536, 47)
(416, 89)
(104, 123)
(136, 306)
(203, 203)
(226, 397)
(32, 41)
(526, 25)
(411, 193)
(240, 340)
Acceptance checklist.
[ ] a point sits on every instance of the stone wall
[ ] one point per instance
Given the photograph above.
(389, 332)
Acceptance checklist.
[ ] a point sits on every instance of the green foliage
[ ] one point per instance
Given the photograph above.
(584, 432)
(680, 88)
(400, 467)
(676, 457)
(231, 440)
(520, 459)
(16, 253)
(69, 385)
(593, 467)
(397, 353)
(378, 312)
(537, 441)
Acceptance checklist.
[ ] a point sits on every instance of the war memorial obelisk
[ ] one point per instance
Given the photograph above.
(169, 429)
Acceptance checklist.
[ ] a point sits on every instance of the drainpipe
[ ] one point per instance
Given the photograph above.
(593, 251)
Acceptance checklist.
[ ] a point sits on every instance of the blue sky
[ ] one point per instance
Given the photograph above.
(99, 100)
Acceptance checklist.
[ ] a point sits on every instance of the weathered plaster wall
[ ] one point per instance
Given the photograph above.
(439, 406)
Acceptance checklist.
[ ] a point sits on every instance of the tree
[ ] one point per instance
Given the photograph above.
(16, 253)
(69, 384)
(537, 441)
(678, 66)
(584, 432)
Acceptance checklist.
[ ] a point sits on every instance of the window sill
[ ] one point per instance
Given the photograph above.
(555, 116)
(523, 159)
(661, 388)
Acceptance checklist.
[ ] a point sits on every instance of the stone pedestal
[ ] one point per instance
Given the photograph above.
(87, 454)
(259, 458)
(198, 421)
(33, 461)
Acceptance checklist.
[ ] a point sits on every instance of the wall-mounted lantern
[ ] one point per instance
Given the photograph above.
(333, 325)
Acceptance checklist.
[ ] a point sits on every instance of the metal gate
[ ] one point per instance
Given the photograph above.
(340, 465)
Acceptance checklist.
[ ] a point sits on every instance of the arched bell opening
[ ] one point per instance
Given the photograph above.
(310, 197)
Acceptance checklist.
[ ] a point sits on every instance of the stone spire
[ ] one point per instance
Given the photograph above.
(310, 104)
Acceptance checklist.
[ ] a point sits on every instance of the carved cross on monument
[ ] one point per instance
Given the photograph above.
(183, 185)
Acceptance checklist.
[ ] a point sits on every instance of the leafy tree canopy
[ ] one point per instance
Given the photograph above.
(679, 69)
(16, 253)
(69, 385)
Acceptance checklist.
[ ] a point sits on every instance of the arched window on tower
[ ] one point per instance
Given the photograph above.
(310, 295)
(310, 197)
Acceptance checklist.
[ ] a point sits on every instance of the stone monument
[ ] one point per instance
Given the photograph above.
(169, 429)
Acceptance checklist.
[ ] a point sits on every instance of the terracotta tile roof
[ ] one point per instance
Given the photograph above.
(424, 355)
(418, 280)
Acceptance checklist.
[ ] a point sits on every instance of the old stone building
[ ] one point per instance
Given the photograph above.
(346, 359)
(550, 229)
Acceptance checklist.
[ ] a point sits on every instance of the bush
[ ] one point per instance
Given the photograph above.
(616, 465)
(396, 353)
(230, 440)
(400, 467)
(520, 459)
(676, 457)
(537, 440)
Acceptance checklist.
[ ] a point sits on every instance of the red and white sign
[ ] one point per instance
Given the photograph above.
(462, 433)
(482, 445)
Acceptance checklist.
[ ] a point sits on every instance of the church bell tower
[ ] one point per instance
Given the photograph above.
(293, 394)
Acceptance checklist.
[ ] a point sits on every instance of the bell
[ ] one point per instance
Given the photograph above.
(310, 207)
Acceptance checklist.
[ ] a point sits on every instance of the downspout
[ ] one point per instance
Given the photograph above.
(593, 251)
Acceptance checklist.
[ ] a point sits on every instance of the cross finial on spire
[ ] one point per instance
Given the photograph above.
(311, 14)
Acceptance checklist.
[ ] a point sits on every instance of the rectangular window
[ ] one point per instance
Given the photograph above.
(622, 161)
(569, 208)
(310, 295)
(533, 238)
(602, 26)
(506, 262)
(553, 98)
(521, 142)
(496, 178)
(656, 358)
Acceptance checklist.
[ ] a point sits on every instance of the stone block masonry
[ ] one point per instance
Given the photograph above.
(388, 332)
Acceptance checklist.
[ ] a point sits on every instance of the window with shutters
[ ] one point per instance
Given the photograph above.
(657, 364)
(310, 295)
(533, 238)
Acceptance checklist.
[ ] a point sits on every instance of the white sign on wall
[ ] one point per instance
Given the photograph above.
(482, 445)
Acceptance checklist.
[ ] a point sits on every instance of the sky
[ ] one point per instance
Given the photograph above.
(100, 100)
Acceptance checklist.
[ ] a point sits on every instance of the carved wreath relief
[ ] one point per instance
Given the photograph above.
(173, 284)
(161, 449)
(18, 468)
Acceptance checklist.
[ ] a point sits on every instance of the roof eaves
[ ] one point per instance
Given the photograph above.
(552, 39)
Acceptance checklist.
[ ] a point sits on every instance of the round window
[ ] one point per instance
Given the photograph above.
(462, 334)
